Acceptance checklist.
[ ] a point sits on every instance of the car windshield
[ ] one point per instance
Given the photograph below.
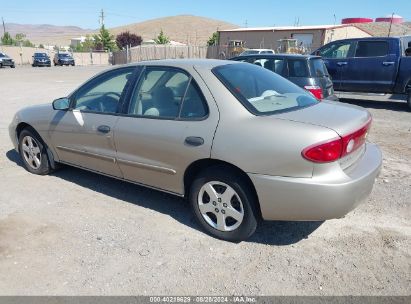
(64, 55)
(40, 55)
(261, 91)
(318, 68)
(2, 55)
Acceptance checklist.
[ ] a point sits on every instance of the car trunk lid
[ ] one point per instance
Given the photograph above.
(351, 123)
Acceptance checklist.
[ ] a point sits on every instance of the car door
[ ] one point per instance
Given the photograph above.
(373, 68)
(337, 56)
(169, 123)
(83, 135)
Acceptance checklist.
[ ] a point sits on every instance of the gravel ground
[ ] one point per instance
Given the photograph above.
(78, 233)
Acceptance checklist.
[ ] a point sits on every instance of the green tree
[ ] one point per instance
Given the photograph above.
(6, 39)
(87, 45)
(213, 40)
(104, 40)
(162, 38)
(19, 37)
(27, 43)
(41, 46)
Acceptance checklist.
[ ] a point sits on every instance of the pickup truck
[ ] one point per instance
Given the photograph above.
(370, 65)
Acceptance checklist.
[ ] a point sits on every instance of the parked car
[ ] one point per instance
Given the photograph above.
(236, 140)
(41, 59)
(370, 65)
(306, 71)
(6, 61)
(63, 59)
(256, 52)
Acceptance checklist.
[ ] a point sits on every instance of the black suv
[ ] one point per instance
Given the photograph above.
(307, 71)
(41, 59)
(63, 59)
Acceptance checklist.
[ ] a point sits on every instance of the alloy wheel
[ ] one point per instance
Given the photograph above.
(31, 152)
(220, 206)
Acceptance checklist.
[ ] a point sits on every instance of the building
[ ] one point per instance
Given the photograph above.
(311, 37)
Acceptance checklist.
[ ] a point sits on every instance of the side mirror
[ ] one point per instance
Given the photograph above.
(408, 52)
(62, 104)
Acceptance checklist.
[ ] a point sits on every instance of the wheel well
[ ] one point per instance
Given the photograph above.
(198, 166)
(20, 127)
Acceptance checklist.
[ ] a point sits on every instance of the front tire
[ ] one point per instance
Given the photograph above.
(33, 153)
(224, 204)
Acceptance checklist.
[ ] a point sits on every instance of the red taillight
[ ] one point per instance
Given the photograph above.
(316, 91)
(335, 149)
(324, 152)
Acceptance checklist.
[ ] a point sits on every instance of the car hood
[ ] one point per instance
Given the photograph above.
(340, 117)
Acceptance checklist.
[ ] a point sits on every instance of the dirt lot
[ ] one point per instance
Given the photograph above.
(76, 232)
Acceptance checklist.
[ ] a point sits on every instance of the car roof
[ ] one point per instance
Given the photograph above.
(294, 56)
(185, 63)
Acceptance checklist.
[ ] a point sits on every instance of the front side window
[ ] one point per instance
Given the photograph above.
(167, 93)
(261, 91)
(371, 49)
(336, 50)
(103, 93)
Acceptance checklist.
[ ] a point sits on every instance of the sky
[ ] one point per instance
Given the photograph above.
(251, 13)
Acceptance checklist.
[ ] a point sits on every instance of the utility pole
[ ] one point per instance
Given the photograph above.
(389, 31)
(4, 26)
(101, 18)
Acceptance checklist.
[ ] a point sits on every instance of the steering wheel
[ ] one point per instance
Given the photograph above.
(112, 93)
(114, 96)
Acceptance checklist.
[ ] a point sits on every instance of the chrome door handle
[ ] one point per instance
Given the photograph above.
(194, 141)
(103, 129)
(342, 63)
(387, 63)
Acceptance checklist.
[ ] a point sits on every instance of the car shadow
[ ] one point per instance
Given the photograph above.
(398, 106)
(270, 233)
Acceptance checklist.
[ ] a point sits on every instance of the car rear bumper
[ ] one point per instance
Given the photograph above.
(320, 197)
(332, 97)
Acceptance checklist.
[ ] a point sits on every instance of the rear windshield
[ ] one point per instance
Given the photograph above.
(250, 53)
(40, 55)
(298, 68)
(318, 68)
(63, 55)
(261, 91)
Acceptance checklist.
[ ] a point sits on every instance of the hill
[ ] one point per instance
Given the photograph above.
(47, 34)
(183, 28)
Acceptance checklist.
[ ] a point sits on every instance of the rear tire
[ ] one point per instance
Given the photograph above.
(409, 100)
(33, 153)
(13, 66)
(224, 204)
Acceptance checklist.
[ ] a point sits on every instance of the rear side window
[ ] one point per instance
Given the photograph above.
(318, 68)
(261, 91)
(371, 49)
(298, 68)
